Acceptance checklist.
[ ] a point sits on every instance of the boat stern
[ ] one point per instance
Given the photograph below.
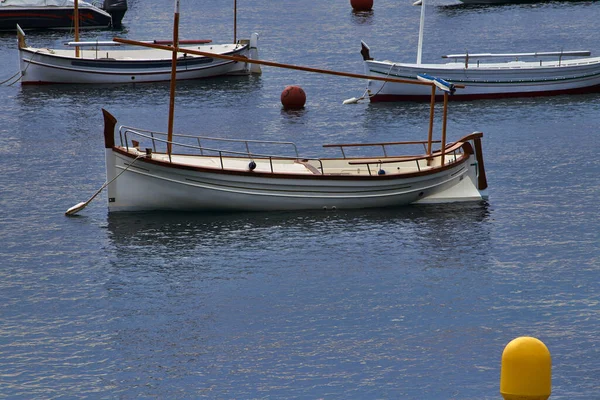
(21, 38)
(109, 142)
(254, 68)
(471, 184)
(252, 54)
(117, 10)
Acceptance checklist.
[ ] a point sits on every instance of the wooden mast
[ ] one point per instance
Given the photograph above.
(76, 20)
(430, 135)
(173, 76)
(444, 120)
(275, 64)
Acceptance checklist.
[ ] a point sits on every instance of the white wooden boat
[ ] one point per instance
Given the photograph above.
(487, 75)
(148, 170)
(103, 62)
(203, 174)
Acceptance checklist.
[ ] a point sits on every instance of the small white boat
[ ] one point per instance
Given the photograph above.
(101, 62)
(206, 174)
(150, 171)
(544, 74)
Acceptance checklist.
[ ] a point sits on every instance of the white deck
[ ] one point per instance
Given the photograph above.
(291, 166)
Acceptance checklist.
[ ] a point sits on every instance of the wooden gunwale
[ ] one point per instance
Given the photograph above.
(285, 175)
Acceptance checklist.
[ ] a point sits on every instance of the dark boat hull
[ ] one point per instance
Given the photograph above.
(60, 17)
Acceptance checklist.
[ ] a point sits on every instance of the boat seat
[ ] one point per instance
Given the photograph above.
(308, 166)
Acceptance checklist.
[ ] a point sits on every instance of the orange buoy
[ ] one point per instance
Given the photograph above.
(361, 5)
(293, 97)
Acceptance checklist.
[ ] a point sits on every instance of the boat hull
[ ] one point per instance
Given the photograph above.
(97, 66)
(493, 2)
(147, 185)
(489, 80)
(52, 18)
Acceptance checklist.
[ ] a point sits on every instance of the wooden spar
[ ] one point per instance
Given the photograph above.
(274, 64)
(536, 54)
(444, 120)
(431, 111)
(174, 48)
(76, 19)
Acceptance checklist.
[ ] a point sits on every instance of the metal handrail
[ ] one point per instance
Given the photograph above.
(246, 142)
(151, 135)
(383, 145)
(125, 132)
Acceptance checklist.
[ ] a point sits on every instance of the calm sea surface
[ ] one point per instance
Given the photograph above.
(413, 303)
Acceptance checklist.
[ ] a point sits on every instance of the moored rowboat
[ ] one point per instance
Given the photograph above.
(486, 80)
(148, 170)
(198, 176)
(97, 64)
(507, 75)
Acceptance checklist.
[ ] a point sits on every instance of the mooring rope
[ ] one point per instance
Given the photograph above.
(20, 73)
(80, 206)
(384, 82)
(3, 82)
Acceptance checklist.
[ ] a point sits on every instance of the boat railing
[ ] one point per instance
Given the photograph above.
(131, 138)
(454, 151)
(157, 137)
(382, 145)
(517, 56)
(126, 135)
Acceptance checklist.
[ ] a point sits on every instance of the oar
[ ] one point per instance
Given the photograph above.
(80, 206)
(355, 100)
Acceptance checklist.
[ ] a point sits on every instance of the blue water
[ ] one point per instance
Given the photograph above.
(413, 303)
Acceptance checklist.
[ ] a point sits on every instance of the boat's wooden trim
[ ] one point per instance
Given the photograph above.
(482, 180)
(274, 64)
(385, 160)
(470, 136)
(21, 38)
(109, 129)
(284, 175)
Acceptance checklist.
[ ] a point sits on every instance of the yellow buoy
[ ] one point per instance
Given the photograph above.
(526, 373)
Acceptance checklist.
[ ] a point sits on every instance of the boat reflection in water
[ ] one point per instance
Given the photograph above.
(238, 241)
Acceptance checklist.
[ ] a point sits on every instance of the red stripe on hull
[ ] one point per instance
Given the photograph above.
(382, 98)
